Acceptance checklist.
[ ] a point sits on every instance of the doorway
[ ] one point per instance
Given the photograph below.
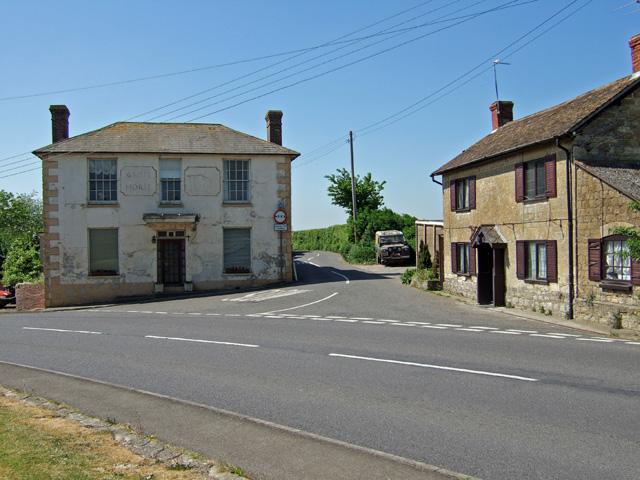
(491, 276)
(171, 261)
(485, 274)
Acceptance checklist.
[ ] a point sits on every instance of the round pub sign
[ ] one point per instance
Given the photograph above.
(280, 216)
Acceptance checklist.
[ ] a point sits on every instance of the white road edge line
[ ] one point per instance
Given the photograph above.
(436, 367)
(62, 330)
(301, 306)
(346, 279)
(197, 340)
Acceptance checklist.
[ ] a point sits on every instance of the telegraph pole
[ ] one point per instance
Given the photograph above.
(353, 190)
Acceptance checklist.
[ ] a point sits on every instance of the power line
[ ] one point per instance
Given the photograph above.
(180, 100)
(385, 32)
(360, 60)
(385, 123)
(330, 60)
(196, 69)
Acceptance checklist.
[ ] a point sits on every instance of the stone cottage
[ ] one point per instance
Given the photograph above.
(530, 209)
(136, 208)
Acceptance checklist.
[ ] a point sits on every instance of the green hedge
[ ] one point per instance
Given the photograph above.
(331, 239)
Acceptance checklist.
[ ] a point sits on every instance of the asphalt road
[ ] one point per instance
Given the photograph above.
(353, 355)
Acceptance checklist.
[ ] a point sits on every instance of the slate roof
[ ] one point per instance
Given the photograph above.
(543, 126)
(178, 138)
(624, 178)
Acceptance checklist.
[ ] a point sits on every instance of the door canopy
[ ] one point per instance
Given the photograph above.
(488, 235)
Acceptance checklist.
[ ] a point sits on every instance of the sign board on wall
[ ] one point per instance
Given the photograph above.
(138, 181)
(203, 181)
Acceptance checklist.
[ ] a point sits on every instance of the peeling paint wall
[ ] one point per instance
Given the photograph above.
(70, 216)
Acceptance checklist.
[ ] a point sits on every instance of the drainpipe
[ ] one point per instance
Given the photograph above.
(433, 179)
(570, 225)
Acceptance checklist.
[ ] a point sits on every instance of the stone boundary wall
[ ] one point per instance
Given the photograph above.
(29, 296)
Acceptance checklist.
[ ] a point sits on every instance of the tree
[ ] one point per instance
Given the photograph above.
(22, 263)
(368, 191)
(20, 218)
(424, 258)
(632, 234)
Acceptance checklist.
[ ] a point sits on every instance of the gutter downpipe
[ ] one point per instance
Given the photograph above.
(569, 159)
(433, 179)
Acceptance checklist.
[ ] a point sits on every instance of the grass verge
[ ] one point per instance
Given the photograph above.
(36, 444)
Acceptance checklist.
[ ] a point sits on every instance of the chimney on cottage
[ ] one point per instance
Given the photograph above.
(59, 122)
(634, 43)
(501, 113)
(274, 126)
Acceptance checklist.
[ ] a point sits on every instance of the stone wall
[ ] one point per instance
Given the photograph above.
(29, 296)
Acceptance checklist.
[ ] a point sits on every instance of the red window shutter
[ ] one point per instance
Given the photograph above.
(520, 182)
(595, 260)
(635, 272)
(520, 260)
(472, 260)
(552, 261)
(472, 193)
(452, 195)
(454, 258)
(551, 190)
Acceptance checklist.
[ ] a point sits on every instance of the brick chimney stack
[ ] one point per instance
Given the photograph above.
(274, 126)
(59, 122)
(634, 43)
(501, 113)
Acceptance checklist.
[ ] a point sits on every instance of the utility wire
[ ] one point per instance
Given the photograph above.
(339, 39)
(386, 31)
(197, 69)
(201, 92)
(381, 124)
(341, 67)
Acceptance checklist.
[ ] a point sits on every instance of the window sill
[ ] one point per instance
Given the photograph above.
(170, 205)
(467, 275)
(102, 204)
(237, 274)
(533, 201)
(105, 275)
(616, 286)
(462, 210)
(536, 281)
(237, 204)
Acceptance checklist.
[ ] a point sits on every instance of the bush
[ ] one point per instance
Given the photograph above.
(407, 276)
(22, 263)
(363, 252)
(424, 258)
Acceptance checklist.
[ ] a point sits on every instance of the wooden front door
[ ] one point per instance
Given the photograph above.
(171, 261)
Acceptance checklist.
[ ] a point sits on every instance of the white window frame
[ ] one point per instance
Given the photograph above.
(462, 194)
(535, 261)
(113, 193)
(171, 181)
(228, 182)
(463, 252)
(616, 259)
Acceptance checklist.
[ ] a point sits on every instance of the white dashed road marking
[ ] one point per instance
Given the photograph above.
(547, 336)
(603, 340)
(436, 367)
(60, 330)
(197, 340)
(521, 331)
(506, 332)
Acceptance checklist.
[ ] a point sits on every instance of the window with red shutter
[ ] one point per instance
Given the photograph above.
(454, 258)
(520, 260)
(452, 195)
(595, 259)
(552, 261)
(472, 193)
(550, 176)
(635, 272)
(519, 182)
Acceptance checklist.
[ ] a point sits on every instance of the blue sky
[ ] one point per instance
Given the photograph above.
(51, 46)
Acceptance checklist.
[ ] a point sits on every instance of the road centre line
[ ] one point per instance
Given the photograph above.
(197, 340)
(341, 320)
(420, 323)
(373, 322)
(436, 367)
(448, 325)
(366, 318)
(484, 328)
(547, 336)
(468, 330)
(62, 330)
(505, 332)
(437, 327)
(521, 331)
(305, 305)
